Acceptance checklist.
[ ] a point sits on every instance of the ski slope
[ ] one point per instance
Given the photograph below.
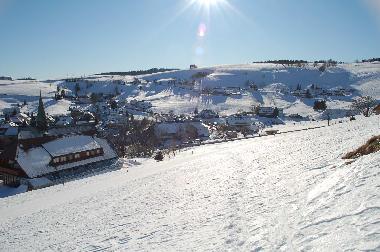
(289, 192)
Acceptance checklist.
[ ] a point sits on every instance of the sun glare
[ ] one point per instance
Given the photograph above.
(208, 3)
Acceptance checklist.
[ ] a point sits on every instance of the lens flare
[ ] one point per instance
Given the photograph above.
(202, 30)
(199, 51)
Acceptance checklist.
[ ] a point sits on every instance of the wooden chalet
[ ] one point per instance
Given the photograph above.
(50, 155)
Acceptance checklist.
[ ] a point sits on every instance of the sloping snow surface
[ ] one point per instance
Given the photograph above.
(289, 192)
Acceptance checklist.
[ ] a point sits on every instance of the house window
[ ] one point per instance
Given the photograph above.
(63, 159)
(98, 151)
(92, 153)
(88, 153)
(56, 160)
(76, 156)
(71, 157)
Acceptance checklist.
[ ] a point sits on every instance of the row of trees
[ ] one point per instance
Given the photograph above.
(140, 72)
(287, 62)
(371, 60)
(302, 63)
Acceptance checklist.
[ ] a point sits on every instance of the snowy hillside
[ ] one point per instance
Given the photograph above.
(275, 82)
(289, 192)
(28, 91)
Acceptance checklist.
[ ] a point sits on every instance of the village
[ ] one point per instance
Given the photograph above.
(39, 150)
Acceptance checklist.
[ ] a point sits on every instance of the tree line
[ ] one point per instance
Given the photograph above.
(371, 60)
(283, 62)
(140, 72)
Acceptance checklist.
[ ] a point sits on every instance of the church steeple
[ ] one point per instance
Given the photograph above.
(41, 120)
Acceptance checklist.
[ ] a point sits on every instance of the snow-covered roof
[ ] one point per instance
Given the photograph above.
(71, 144)
(35, 162)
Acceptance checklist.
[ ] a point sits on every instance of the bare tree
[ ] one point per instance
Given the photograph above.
(364, 105)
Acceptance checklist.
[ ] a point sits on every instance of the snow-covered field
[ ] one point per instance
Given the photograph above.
(18, 92)
(273, 80)
(289, 192)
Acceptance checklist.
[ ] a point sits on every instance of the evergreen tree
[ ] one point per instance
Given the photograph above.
(94, 98)
(113, 104)
(308, 94)
(41, 120)
(320, 105)
(276, 112)
(77, 89)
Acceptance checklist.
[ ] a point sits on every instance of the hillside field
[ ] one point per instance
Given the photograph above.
(289, 192)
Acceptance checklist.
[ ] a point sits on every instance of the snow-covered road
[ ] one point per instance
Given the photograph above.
(286, 192)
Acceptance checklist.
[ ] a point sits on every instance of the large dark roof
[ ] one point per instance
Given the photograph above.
(9, 152)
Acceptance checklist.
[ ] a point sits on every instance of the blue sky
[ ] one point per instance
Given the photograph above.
(56, 38)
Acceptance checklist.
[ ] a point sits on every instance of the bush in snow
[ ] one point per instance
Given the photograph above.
(320, 105)
(159, 156)
(372, 145)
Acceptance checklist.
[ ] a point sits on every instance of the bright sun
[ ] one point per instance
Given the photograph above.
(208, 2)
